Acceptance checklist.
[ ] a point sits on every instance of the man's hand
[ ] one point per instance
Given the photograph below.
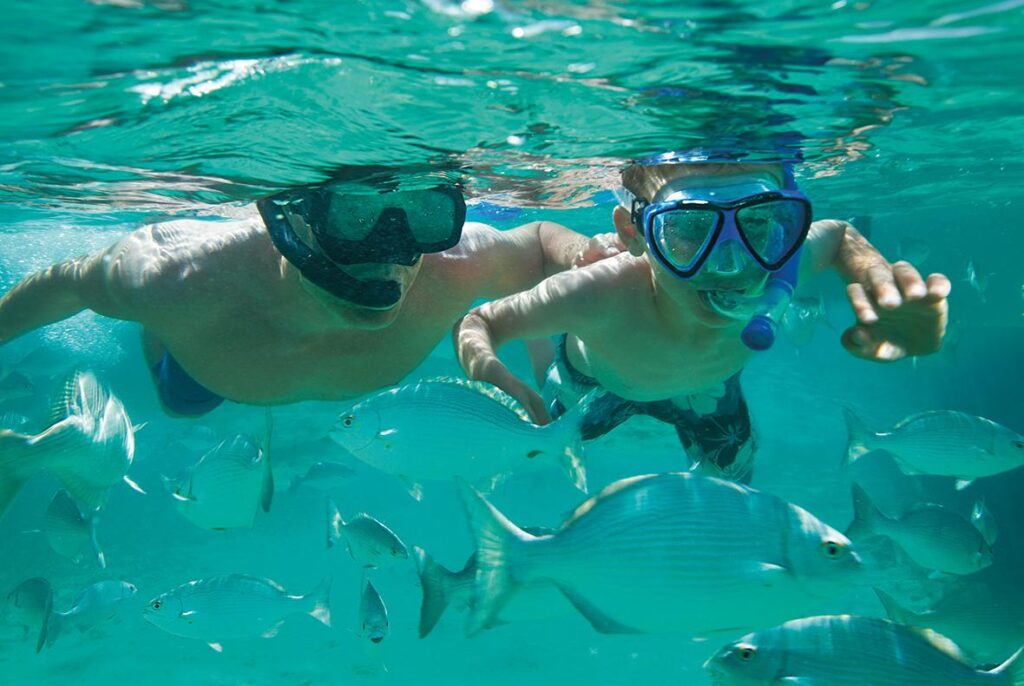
(898, 313)
(599, 247)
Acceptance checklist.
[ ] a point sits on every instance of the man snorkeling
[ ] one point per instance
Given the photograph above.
(715, 249)
(327, 292)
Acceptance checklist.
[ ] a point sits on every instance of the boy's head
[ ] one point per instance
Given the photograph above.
(696, 213)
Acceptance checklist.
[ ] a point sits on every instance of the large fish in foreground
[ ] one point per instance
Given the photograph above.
(667, 552)
(434, 430)
(88, 448)
(852, 651)
(226, 487)
(233, 606)
(940, 442)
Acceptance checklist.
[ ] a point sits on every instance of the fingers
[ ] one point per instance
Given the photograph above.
(862, 305)
(535, 406)
(938, 286)
(881, 283)
(909, 281)
(859, 342)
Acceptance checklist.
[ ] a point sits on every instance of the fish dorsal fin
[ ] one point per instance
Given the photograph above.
(80, 394)
(608, 491)
(493, 392)
(941, 643)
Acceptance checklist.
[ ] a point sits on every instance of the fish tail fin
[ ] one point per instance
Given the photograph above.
(1013, 669)
(335, 524)
(321, 602)
(571, 460)
(53, 626)
(893, 609)
(101, 558)
(435, 580)
(499, 551)
(267, 490)
(865, 515)
(858, 435)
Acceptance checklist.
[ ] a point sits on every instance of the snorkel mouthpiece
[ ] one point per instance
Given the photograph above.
(759, 333)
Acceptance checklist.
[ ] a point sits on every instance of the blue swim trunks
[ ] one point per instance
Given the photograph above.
(714, 427)
(179, 392)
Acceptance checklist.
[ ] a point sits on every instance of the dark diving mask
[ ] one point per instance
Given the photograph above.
(393, 227)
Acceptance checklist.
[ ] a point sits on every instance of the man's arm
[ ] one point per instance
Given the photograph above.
(520, 258)
(565, 302)
(56, 293)
(898, 312)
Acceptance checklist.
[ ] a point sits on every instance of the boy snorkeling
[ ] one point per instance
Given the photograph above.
(665, 329)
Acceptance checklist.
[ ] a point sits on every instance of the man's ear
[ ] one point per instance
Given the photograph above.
(627, 233)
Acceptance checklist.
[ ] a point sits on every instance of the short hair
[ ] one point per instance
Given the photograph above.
(644, 180)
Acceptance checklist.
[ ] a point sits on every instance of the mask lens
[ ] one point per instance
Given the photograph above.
(431, 215)
(772, 228)
(683, 235)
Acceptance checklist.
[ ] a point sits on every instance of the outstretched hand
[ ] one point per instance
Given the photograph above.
(899, 314)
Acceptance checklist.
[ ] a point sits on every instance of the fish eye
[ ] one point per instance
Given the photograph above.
(746, 652)
(1018, 444)
(348, 420)
(156, 604)
(832, 549)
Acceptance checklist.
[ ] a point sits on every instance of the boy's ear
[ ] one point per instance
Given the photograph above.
(627, 233)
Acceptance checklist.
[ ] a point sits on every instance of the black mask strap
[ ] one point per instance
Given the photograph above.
(321, 271)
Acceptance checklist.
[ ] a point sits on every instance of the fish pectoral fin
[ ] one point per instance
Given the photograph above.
(601, 622)
(386, 432)
(961, 484)
(797, 681)
(770, 572)
(133, 485)
(217, 647)
(183, 498)
(272, 631)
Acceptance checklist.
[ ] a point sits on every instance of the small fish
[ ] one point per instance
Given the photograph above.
(95, 605)
(89, 447)
(194, 438)
(226, 486)
(913, 250)
(802, 317)
(984, 522)
(434, 430)
(933, 536)
(373, 614)
(16, 386)
(941, 442)
(369, 541)
(666, 552)
(70, 532)
(443, 588)
(233, 606)
(851, 651)
(30, 605)
(979, 282)
(323, 476)
(986, 621)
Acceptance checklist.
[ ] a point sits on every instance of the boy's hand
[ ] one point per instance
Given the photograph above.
(601, 246)
(898, 313)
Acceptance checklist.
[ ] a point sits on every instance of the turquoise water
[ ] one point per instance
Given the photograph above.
(118, 113)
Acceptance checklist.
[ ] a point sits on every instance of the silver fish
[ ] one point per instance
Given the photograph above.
(30, 605)
(370, 542)
(373, 614)
(324, 476)
(978, 281)
(70, 532)
(851, 651)
(443, 588)
(985, 522)
(226, 486)
(95, 605)
(89, 447)
(943, 443)
(802, 317)
(233, 606)
(434, 430)
(986, 621)
(913, 250)
(933, 536)
(667, 552)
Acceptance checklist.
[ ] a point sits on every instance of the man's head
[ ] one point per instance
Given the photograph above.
(359, 245)
(717, 226)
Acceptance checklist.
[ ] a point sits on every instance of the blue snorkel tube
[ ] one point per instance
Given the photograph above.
(759, 333)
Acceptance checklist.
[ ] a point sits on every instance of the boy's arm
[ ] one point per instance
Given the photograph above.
(898, 312)
(56, 293)
(563, 302)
